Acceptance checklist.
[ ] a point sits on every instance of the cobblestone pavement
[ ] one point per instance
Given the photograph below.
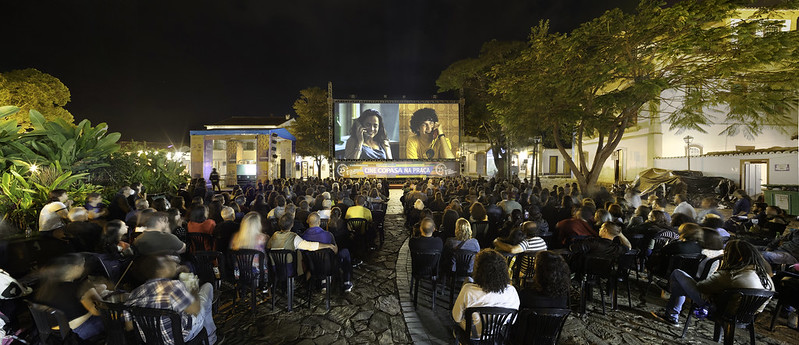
(370, 314)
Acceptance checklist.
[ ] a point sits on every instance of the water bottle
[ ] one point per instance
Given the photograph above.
(701, 312)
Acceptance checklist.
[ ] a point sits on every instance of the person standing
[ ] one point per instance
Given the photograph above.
(214, 178)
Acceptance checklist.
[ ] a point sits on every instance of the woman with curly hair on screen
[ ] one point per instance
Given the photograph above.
(428, 141)
(490, 287)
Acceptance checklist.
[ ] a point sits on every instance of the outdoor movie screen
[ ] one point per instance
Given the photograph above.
(365, 130)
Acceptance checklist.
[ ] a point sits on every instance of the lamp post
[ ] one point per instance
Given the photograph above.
(534, 172)
(688, 139)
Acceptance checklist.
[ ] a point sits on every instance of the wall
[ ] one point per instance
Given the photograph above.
(729, 166)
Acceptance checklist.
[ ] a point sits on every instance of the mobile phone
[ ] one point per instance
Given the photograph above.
(526, 214)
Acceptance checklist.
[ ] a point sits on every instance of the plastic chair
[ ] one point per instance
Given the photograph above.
(283, 267)
(378, 223)
(464, 264)
(149, 321)
(424, 265)
(524, 265)
(737, 308)
(46, 319)
(594, 269)
(481, 232)
(198, 242)
(539, 326)
(209, 268)
(496, 323)
(321, 265)
(248, 278)
(686, 262)
(112, 315)
(787, 295)
(357, 228)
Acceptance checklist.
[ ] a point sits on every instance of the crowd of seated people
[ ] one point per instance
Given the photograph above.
(519, 214)
(144, 242)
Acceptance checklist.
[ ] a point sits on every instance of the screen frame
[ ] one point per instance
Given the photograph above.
(331, 123)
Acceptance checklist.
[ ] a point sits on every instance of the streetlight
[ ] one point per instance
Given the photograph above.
(688, 139)
(534, 172)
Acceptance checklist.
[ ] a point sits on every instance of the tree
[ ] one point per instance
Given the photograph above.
(311, 126)
(31, 89)
(595, 81)
(470, 78)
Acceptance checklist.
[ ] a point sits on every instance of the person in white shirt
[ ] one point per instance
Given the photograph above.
(683, 206)
(55, 214)
(490, 288)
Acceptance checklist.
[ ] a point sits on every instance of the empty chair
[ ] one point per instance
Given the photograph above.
(47, 319)
(358, 228)
(378, 222)
(464, 264)
(539, 326)
(283, 267)
(249, 276)
(151, 321)
(209, 269)
(322, 267)
(787, 293)
(495, 325)
(424, 266)
(480, 231)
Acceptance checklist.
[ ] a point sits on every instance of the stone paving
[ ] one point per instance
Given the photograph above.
(370, 314)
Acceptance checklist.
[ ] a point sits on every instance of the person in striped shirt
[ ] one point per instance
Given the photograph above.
(524, 239)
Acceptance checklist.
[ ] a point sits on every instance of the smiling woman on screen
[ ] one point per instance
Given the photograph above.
(368, 139)
(428, 142)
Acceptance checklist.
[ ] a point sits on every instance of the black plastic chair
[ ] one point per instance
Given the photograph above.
(424, 265)
(524, 265)
(358, 228)
(378, 223)
(787, 294)
(481, 232)
(688, 263)
(625, 263)
(248, 278)
(539, 326)
(737, 308)
(209, 267)
(594, 269)
(283, 267)
(199, 242)
(321, 265)
(464, 264)
(113, 318)
(149, 322)
(495, 325)
(46, 319)
(323, 223)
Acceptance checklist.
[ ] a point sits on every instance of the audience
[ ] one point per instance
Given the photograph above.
(551, 283)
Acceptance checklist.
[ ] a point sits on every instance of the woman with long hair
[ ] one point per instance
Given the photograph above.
(743, 267)
(250, 236)
(743, 203)
(111, 241)
(199, 221)
(463, 239)
(368, 138)
(551, 281)
(490, 288)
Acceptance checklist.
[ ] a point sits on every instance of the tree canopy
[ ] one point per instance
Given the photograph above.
(596, 80)
(311, 126)
(32, 89)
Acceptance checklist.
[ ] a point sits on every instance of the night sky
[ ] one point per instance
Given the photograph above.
(155, 69)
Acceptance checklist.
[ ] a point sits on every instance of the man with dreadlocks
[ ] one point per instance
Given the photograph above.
(743, 267)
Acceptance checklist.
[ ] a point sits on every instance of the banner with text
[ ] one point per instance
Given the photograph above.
(373, 169)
